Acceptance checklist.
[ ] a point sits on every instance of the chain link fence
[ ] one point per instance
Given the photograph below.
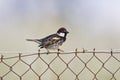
(76, 65)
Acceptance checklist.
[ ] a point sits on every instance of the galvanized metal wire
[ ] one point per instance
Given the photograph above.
(76, 65)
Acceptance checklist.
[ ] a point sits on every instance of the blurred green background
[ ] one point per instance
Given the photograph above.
(91, 23)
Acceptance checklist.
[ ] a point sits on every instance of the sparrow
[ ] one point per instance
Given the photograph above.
(53, 41)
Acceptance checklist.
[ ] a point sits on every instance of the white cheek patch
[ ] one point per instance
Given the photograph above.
(61, 34)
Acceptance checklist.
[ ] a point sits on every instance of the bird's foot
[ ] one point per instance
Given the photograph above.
(59, 50)
(48, 51)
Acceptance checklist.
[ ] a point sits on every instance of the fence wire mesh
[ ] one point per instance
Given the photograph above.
(76, 65)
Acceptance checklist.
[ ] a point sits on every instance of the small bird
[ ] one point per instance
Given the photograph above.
(52, 41)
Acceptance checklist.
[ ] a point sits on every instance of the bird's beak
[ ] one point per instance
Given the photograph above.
(67, 32)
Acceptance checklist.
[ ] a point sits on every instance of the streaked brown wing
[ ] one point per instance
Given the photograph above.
(51, 41)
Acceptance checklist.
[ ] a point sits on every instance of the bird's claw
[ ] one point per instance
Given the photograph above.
(59, 50)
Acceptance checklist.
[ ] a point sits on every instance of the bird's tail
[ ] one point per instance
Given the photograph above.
(31, 39)
(35, 40)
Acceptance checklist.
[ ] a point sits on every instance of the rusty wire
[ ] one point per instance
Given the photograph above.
(104, 65)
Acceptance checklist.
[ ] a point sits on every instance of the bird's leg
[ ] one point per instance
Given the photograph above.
(38, 50)
(60, 50)
(48, 51)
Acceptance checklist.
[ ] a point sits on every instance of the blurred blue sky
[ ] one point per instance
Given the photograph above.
(92, 23)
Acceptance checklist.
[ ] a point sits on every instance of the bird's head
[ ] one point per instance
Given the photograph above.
(62, 32)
